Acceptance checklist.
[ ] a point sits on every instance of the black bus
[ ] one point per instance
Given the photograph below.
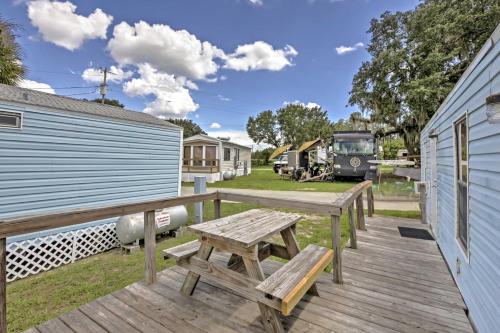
(351, 152)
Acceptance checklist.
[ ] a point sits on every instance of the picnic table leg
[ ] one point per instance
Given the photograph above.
(192, 278)
(270, 317)
(293, 249)
(236, 263)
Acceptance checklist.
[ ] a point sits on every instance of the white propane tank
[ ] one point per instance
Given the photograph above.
(227, 175)
(129, 228)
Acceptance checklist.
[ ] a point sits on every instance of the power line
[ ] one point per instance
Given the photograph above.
(85, 93)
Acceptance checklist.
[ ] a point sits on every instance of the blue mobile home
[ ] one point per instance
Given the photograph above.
(460, 149)
(60, 153)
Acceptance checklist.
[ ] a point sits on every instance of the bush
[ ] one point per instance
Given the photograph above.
(391, 147)
(260, 162)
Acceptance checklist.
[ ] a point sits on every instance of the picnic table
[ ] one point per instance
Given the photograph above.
(244, 236)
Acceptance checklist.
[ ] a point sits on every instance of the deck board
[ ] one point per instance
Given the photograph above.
(392, 284)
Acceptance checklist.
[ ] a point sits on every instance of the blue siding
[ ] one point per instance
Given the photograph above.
(68, 160)
(479, 276)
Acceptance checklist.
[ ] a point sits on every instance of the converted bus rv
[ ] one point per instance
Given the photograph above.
(351, 152)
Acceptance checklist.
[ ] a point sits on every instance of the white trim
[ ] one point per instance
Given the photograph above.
(181, 161)
(203, 155)
(191, 163)
(465, 252)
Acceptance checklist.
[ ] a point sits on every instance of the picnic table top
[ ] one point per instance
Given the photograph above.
(248, 228)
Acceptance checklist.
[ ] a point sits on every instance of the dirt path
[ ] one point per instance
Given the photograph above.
(319, 196)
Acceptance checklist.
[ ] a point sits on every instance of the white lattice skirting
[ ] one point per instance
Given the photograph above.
(38, 255)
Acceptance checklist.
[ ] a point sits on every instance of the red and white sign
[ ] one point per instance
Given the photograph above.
(162, 219)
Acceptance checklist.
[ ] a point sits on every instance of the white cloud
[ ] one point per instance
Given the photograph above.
(223, 78)
(215, 125)
(39, 86)
(308, 105)
(59, 24)
(172, 51)
(240, 137)
(172, 98)
(116, 75)
(223, 98)
(347, 49)
(260, 55)
(256, 2)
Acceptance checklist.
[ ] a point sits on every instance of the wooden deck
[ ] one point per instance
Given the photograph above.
(392, 284)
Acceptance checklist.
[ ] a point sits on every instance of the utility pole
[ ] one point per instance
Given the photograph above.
(103, 86)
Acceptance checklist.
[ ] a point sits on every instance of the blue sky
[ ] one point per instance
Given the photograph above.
(216, 62)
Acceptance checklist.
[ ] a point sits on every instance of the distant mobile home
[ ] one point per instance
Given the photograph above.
(460, 149)
(211, 157)
(59, 153)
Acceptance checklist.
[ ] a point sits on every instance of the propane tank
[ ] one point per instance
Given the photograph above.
(227, 175)
(129, 228)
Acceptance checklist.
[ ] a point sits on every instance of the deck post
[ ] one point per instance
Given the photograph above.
(3, 285)
(149, 247)
(360, 211)
(337, 250)
(200, 186)
(370, 201)
(217, 213)
(352, 227)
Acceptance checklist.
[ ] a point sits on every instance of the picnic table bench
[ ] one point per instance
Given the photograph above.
(244, 236)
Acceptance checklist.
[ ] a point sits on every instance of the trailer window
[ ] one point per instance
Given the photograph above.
(187, 155)
(227, 154)
(353, 146)
(10, 119)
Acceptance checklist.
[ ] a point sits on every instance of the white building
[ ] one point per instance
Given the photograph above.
(211, 157)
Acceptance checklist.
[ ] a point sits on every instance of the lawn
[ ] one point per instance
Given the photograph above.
(36, 299)
(264, 178)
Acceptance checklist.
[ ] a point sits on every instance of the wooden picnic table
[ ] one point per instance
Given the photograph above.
(244, 236)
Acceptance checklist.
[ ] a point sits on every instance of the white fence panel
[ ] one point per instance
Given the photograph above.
(38, 255)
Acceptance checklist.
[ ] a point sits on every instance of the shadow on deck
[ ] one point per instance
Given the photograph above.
(392, 284)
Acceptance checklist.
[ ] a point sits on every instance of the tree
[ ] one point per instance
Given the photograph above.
(190, 127)
(11, 68)
(416, 59)
(263, 155)
(292, 124)
(264, 128)
(299, 123)
(358, 122)
(113, 102)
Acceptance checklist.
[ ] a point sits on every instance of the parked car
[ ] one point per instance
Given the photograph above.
(281, 162)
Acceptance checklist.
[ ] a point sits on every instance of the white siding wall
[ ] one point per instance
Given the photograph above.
(479, 279)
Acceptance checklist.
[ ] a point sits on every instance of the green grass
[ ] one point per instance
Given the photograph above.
(266, 179)
(36, 299)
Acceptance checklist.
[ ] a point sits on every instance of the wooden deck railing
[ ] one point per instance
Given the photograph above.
(27, 224)
(200, 165)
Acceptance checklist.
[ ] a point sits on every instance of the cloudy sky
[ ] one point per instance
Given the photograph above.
(214, 61)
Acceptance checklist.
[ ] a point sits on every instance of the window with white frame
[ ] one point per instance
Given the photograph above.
(236, 154)
(462, 181)
(10, 119)
(227, 154)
